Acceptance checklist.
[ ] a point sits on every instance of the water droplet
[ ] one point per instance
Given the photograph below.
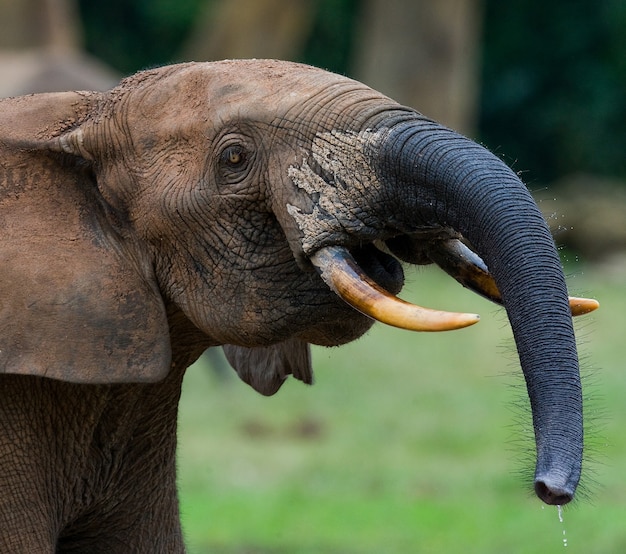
(560, 512)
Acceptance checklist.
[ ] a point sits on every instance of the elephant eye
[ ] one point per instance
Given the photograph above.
(235, 162)
(233, 156)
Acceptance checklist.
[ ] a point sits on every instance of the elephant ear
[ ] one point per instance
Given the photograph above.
(78, 300)
(266, 369)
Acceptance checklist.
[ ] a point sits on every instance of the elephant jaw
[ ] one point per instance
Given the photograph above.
(348, 280)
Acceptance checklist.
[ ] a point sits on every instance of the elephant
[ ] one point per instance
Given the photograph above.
(256, 205)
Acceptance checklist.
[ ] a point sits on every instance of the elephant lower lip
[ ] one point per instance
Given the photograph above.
(381, 267)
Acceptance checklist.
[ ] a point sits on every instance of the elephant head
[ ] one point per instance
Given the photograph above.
(263, 206)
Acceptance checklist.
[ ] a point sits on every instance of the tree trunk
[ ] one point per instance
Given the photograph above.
(251, 29)
(39, 24)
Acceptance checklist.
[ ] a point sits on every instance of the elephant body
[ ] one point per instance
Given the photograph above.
(256, 205)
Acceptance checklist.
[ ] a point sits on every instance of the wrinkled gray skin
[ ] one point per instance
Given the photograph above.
(179, 211)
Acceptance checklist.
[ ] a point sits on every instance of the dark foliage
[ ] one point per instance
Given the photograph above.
(135, 34)
(331, 42)
(553, 85)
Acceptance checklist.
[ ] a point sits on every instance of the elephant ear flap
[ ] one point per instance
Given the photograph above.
(78, 302)
(77, 311)
(265, 369)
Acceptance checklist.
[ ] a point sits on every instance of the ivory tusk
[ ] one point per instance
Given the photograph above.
(458, 261)
(468, 268)
(581, 306)
(343, 275)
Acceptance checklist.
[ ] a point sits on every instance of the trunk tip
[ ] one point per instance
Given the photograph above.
(552, 493)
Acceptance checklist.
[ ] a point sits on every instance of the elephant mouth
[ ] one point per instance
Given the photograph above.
(368, 280)
(385, 269)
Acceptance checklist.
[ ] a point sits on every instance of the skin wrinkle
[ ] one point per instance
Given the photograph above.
(471, 172)
(324, 100)
(245, 259)
(424, 142)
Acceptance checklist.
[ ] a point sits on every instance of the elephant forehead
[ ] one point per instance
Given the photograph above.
(253, 88)
(258, 78)
(293, 91)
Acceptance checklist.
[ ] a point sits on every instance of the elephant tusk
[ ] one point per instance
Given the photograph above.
(581, 306)
(458, 261)
(343, 275)
(468, 268)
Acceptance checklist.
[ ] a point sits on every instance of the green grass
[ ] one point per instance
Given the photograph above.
(406, 443)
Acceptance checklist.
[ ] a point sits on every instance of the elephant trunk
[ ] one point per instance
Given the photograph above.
(439, 178)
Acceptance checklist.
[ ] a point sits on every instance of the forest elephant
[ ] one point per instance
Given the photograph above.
(260, 206)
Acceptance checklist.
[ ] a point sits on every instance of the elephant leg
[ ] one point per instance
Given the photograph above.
(87, 469)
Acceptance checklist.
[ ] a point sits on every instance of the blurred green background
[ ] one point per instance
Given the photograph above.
(407, 442)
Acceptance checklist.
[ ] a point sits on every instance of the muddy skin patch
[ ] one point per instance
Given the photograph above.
(340, 204)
